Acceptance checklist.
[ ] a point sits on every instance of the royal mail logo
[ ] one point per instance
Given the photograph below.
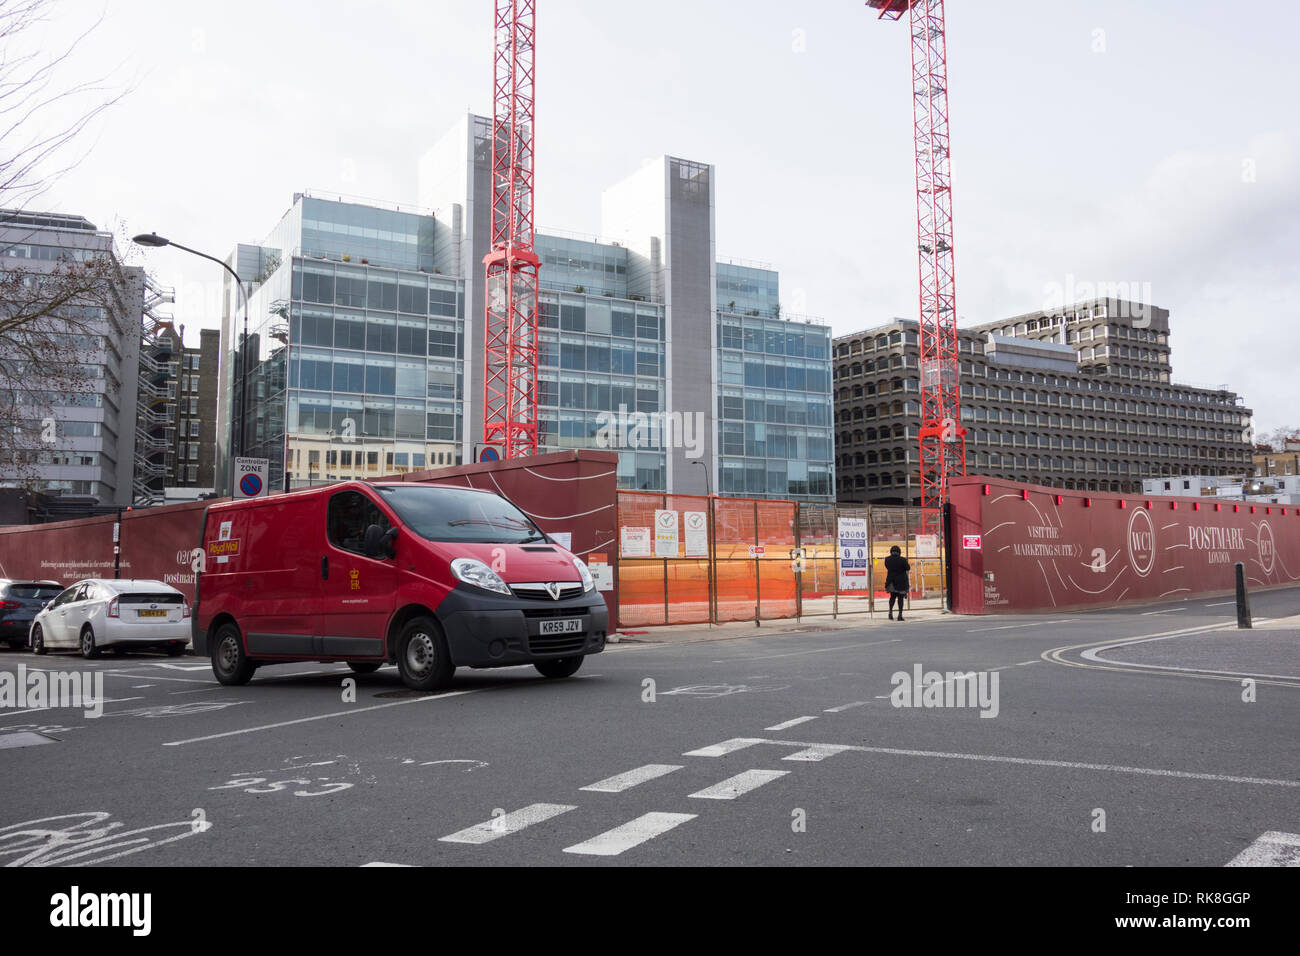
(1267, 547)
(227, 547)
(1141, 542)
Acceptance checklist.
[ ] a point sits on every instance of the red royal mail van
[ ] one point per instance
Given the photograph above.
(431, 577)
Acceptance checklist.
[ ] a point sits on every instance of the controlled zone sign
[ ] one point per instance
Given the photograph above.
(250, 477)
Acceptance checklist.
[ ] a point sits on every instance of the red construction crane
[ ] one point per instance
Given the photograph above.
(510, 319)
(942, 437)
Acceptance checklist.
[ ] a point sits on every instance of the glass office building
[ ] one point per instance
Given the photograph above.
(356, 346)
(365, 340)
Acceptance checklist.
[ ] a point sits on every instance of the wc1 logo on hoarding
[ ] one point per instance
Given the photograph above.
(1267, 547)
(250, 477)
(1141, 540)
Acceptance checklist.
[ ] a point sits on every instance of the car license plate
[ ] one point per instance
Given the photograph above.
(152, 613)
(566, 625)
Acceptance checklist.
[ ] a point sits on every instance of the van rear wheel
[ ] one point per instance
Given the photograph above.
(230, 665)
(561, 667)
(422, 658)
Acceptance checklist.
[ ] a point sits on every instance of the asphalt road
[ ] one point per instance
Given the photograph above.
(773, 750)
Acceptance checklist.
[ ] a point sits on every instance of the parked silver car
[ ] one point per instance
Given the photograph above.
(99, 612)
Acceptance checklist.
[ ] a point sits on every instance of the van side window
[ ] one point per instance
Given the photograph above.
(350, 513)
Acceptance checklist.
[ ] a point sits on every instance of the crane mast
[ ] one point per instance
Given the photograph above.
(511, 265)
(942, 437)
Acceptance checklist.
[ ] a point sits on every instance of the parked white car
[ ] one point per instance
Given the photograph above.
(98, 612)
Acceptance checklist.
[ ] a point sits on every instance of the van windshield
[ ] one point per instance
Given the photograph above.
(458, 514)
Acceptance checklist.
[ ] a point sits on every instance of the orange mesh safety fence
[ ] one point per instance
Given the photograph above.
(744, 551)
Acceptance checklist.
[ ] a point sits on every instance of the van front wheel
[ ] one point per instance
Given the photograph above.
(230, 664)
(562, 667)
(422, 658)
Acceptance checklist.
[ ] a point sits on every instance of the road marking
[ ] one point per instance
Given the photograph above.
(1004, 627)
(1056, 656)
(1221, 604)
(740, 784)
(724, 748)
(1093, 653)
(306, 720)
(1034, 762)
(1273, 848)
(626, 781)
(364, 865)
(1027, 663)
(176, 667)
(820, 650)
(843, 707)
(507, 824)
(790, 723)
(817, 752)
(1165, 611)
(630, 834)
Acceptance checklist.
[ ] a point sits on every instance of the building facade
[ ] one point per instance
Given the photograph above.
(73, 439)
(365, 339)
(1269, 462)
(1075, 398)
(195, 374)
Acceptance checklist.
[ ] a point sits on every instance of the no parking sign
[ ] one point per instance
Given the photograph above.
(250, 477)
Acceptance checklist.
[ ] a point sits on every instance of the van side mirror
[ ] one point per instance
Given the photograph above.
(378, 543)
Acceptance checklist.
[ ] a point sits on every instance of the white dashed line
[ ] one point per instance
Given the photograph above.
(630, 834)
(507, 824)
(724, 748)
(790, 723)
(740, 784)
(843, 707)
(1274, 848)
(377, 863)
(817, 752)
(626, 781)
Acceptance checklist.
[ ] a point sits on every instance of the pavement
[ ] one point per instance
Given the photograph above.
(1138, 737)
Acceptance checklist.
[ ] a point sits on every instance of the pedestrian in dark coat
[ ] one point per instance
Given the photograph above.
(896, 583)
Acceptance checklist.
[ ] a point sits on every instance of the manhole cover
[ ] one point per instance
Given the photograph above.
(25, 738)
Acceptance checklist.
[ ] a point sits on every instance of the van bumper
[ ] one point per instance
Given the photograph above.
(486, 630)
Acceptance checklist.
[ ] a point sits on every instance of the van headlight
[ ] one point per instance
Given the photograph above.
(588, 582)
(475, 572)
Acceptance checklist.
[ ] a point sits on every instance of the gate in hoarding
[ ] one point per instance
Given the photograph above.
(685, 559)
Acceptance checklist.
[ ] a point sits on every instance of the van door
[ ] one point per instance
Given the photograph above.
(357, 592)
(274, 588)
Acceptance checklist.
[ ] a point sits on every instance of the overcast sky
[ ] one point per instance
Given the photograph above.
(1150, 143)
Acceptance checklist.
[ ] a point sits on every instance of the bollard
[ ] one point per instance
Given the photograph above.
(1243, 603)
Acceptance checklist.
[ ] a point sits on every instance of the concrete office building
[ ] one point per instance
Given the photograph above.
(89, 459)
(1080, 398)
(367, 335)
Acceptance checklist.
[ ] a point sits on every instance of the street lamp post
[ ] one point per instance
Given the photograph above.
(708, 479)
(153, 240)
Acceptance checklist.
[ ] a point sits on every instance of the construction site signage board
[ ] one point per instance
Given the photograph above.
(855, 559)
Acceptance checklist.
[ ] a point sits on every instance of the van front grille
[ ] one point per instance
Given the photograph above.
(537, 590)
(557, 643)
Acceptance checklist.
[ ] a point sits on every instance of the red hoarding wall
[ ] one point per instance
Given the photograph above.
(571, 492)
(155, 543)
(1044, 549)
